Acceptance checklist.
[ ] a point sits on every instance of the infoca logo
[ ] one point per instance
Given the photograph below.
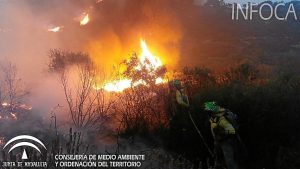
(265, 11)
(24, 141)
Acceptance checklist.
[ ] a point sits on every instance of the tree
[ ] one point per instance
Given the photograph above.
(142, 105)
(60, 60)
(88, 107)
(13, 88)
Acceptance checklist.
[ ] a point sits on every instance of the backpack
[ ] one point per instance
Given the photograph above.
(232, 118)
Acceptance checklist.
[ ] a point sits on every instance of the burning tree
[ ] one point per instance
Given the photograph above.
(139, 70)
(142, 105)
(138, 87)
(137, 90)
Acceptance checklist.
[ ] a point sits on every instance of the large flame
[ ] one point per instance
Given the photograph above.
(121, 85)
(155, 62)
(85, 20)
(117, 86)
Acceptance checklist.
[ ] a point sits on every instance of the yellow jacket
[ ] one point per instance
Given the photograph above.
(221, 127)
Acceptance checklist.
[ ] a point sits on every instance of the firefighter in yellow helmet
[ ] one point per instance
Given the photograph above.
(224, 135)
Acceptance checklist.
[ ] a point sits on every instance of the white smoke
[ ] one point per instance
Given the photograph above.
(200, 2)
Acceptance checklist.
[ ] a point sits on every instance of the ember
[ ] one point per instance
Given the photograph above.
(55, 29)
(85, 20)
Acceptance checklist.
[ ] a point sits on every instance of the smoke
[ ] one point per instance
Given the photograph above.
(175, 31)
(116, 28)
(200, 2)
(113, 33)
(109, 37)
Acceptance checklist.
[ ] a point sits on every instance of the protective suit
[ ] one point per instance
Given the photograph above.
(179, 100)
(178, 115)
(225, 138)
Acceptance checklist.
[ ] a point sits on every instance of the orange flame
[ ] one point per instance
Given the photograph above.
(147, 55)
(117, 86)
(121, 85)
(85, 20)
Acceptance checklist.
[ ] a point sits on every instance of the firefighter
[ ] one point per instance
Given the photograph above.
(179, 100)
(179, 106)
(181, 97)
(178, 116)
(225, 137)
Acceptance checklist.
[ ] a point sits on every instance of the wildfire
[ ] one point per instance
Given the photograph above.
(121, 85)
(85, 20)
(55, 29)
